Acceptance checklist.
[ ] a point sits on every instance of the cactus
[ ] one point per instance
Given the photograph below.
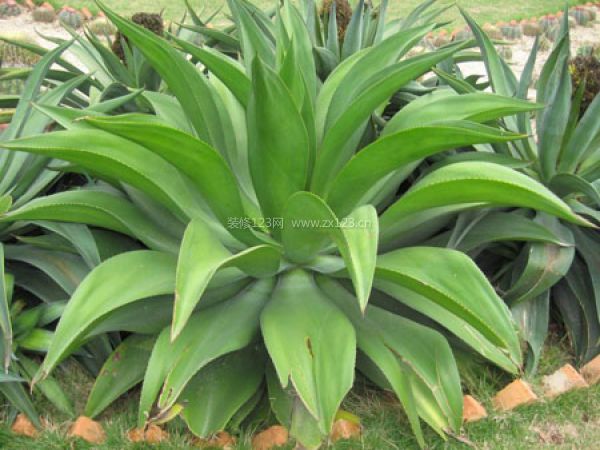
(11, 87)
(102, 27)
(512, 31)
(531, 28)
(9, 8)
(43, 14)
(70, 17)
(492, 31)
(544, 43)
(15, 56)
(462, 34)
(581, 15)
(589, 49)
(505, 53)
(552, 33)
(441, 39)
(547, 22)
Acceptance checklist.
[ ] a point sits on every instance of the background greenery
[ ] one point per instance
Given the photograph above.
(482, 10)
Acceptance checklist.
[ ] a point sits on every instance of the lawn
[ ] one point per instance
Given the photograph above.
(483, 10)
(570, 421)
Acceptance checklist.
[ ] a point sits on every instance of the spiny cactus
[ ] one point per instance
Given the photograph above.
(581, 15)
(11, 87)
(552, 33)
(102, 26)
(462, 34)
(15, 56)
(505, 53)
(531, 28)
(586, 69)
(343, 14)
(9, 8)
(43, 14)
(70, 17)
(544, 44)
(547, 22)
(589, 49)
(512, 30)
(152, 22)
(442, 38)
(492, 31)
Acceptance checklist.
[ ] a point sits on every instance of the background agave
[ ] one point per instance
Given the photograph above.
(280, 255)
(563, 155)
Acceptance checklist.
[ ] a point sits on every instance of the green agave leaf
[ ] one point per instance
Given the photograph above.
(17, 396)
(501, 226)
(396, 150)
(122, 370)
(532, 318)
(169, 109)
(478, 182)
(200, 257)
(256, 41)
(99, 209)
(278, 150)
(543, 264)
(116, 158)
(580, 144)
(211, 333)
(309, 224)
(460, 327)
(204, 166)
(446, 105)
(311, 343)
(588, 246)
(187, 84)
(453, 281)
(228, 70)
(66, 269)
(340, 140)
(576, 300)
(116, 282)
(49, 387)
(564, 184)
(214, 395)
(79, 236)
(5, 323)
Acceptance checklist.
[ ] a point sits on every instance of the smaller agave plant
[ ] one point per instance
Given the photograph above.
(543, 275)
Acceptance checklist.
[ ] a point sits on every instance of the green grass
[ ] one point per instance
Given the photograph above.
(483, 10)
(570, 421)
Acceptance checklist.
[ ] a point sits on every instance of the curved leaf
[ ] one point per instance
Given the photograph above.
(478, 182)
(451, 280)
(393, 151)
(211, 333)
(200, 257)
(309, 224)
(116, 282)
(310, 343)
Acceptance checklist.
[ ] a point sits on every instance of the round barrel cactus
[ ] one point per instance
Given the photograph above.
(9, 8)
(70, 17)
(44, 14)
(531, 28)
(102, 26)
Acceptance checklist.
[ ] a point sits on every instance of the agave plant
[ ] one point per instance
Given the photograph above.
(279, 254)
(563, 155)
